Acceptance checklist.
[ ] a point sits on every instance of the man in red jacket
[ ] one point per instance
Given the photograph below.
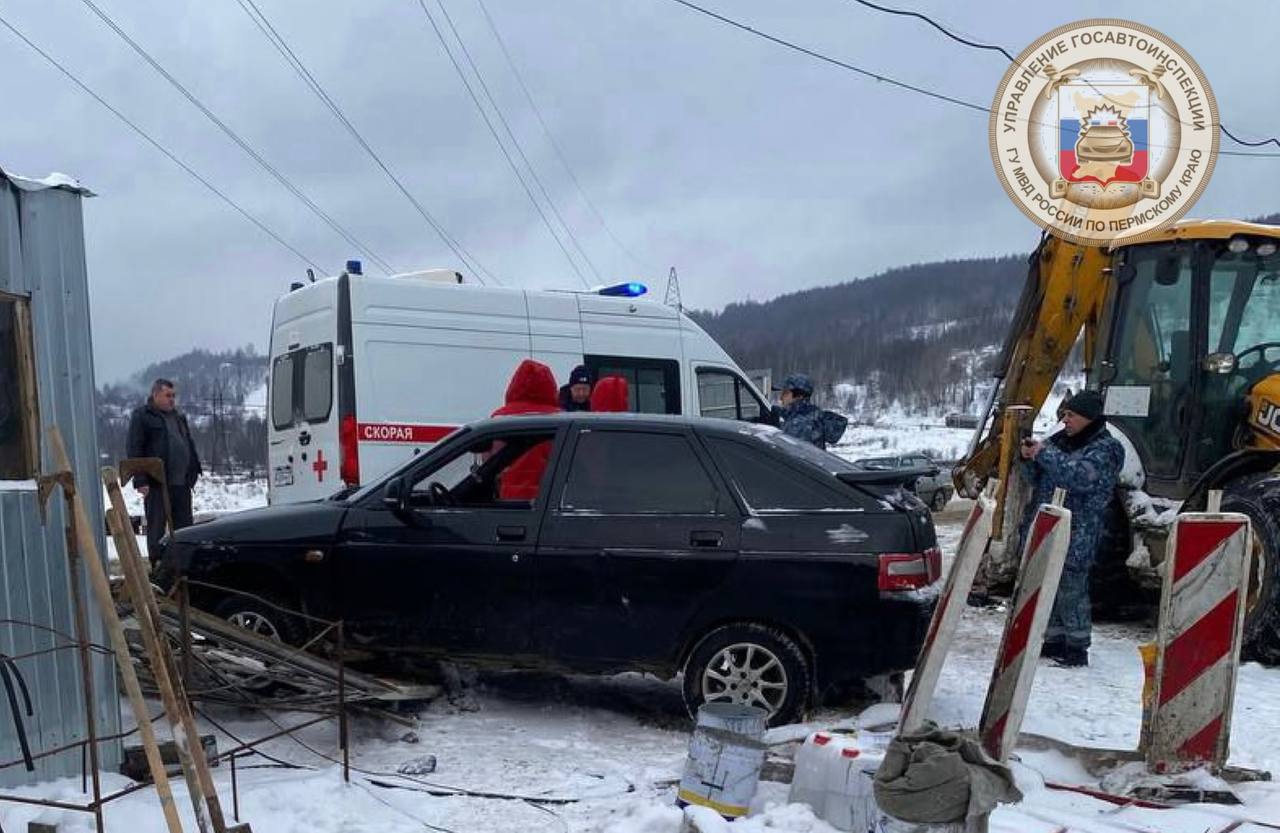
(532, 390)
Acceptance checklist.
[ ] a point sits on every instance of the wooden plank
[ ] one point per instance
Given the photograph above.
(163, 668)
(101, 586)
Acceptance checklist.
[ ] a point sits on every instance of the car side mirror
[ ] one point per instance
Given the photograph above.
(1220, 363)
(396, 497)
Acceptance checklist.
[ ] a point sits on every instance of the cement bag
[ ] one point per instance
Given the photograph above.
(940, 777)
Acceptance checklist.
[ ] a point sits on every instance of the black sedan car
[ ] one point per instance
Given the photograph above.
(764, 569)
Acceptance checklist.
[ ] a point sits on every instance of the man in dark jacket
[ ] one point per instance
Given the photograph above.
(1085, 460)
(157, 429)
(575, 395)
(804, 420)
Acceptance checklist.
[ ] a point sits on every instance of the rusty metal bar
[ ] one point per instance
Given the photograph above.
(342, 704)
(74, 558)
(235, 791)
(184, 622)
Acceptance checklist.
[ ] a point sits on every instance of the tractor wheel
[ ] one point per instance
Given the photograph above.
(1259, 498)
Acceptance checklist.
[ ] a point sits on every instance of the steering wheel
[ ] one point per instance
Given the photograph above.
(440, 496)
(1260, 349)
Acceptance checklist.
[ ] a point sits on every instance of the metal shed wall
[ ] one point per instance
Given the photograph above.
(42, 256)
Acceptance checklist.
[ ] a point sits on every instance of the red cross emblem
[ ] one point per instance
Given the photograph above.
(321, 465)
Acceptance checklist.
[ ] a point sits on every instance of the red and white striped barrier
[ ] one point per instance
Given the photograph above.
(937, 643)
(1201, 619)
(1042, 559)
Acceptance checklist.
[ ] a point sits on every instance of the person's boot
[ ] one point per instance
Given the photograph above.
(1072, 657)
(1053, 650)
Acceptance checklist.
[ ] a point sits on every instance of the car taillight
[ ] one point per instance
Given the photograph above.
(909, 571)
(349, 451)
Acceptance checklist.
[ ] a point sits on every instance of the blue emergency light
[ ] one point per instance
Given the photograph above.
(631, 289)
(354, 268)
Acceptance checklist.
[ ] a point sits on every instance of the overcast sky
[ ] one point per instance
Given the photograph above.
(752, 169)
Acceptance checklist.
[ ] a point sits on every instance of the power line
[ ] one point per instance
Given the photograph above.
(975, 45)
(944, 30)
(501, 146)
(514, 141)
(866, 73)
(969, 105)
(235, 137)
(156, 144)
(552, 139)
(277, 40)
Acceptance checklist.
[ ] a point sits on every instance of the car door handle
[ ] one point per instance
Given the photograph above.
(511, 533)
(706, 538)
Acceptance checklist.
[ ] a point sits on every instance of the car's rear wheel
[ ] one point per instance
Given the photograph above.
(752, 665)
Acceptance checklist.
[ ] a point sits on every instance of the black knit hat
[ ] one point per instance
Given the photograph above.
(1086, 403)
(580, 375)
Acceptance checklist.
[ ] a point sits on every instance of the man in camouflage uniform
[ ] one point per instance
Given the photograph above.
(1085, 460)
(804, 420)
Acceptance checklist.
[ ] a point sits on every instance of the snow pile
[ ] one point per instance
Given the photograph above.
(214, 494)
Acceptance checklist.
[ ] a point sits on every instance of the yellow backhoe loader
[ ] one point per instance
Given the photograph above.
(1180, 331)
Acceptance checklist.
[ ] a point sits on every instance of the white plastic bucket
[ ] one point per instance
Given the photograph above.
(725, 755)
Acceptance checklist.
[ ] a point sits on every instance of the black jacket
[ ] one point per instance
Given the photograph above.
(567, 403)
(148, 437)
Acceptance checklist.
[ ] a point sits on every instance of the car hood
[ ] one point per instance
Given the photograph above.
(287, 522)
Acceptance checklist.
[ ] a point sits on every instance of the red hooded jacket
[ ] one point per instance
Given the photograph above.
(532, 390)
(610, 394)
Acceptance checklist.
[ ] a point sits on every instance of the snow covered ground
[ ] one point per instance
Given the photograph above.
(601, 755)
(895, 432)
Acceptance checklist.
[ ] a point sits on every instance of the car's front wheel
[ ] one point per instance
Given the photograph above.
(749, 664)
(262, 616)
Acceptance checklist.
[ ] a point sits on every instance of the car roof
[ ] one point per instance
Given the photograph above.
(707, 425)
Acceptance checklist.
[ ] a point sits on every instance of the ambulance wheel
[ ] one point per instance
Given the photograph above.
(749, 664)
(1259, 498)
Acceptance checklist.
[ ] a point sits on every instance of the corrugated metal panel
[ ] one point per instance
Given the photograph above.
(42, 257)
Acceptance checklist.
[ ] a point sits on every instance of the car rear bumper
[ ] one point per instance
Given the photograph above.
(890, 642)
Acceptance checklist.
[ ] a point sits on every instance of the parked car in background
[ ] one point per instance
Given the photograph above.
(931, 481)
(764, 569)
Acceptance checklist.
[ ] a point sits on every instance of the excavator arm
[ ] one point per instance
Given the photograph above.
(1066, 286)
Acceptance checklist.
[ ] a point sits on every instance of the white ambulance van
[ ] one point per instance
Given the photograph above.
(368, 371)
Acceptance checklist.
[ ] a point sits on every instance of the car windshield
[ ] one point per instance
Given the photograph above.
(372, 486)
(879, 463)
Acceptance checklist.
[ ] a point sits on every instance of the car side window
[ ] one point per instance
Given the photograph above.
(717, 395)
(632, 472)
(653, 385)
(506, 470)
(767, 486)
(722, 394)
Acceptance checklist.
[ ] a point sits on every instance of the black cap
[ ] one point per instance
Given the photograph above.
(580, 376)
(1086, 403)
